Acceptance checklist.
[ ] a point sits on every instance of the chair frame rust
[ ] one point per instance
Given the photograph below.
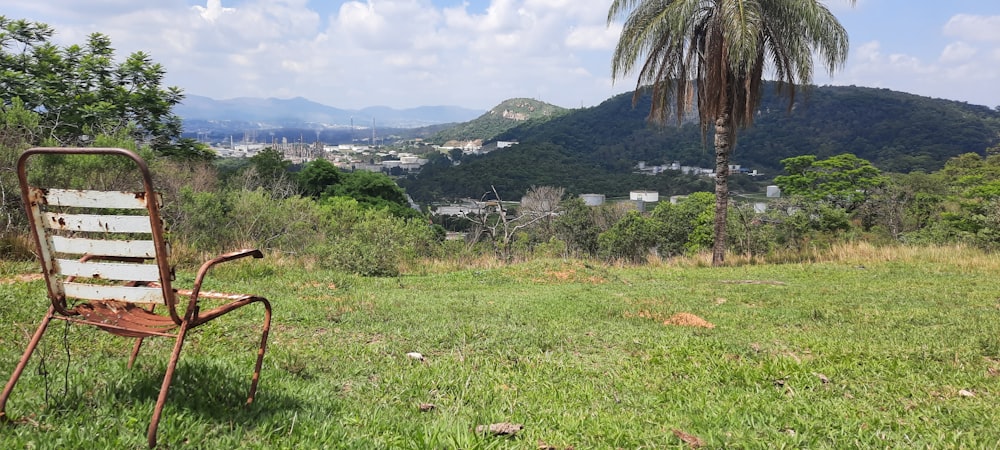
(134, 318)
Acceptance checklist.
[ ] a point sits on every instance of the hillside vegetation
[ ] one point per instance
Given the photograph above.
(508, 114)
(598, 147)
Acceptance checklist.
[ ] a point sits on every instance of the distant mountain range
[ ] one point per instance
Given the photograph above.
(303, 113)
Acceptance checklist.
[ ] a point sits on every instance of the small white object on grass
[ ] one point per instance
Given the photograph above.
(415, 355)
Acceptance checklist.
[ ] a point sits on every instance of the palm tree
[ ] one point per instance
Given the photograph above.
(715, 53)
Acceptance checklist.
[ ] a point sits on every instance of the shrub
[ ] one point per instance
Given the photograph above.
(371, 242)
(630, 239)
(686, 226)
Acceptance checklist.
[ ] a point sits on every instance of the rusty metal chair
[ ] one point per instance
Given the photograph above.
(105, 262)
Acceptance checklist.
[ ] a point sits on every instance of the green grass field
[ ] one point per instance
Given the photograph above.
(875, 348)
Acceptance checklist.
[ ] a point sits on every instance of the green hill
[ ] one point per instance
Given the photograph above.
(596, 149)
(508, 114)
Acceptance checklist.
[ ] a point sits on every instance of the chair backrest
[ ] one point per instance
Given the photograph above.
(97, 244)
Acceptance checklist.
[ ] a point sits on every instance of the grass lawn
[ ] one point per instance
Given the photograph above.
(879, 348)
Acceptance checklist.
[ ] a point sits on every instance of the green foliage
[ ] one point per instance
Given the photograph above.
(508, 114)
(367, 241)
(595, 150)
(686, 226)
(270, 165)
(577, 227)
(844, 180)
(514, 170)
(81, 91)
(797, 222)
(17, 129)
(205, 215)
(958, 203)
(316, 176)
(373, 190)
(630, 239)
(188, 149)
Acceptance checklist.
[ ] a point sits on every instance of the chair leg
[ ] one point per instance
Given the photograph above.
(137, 346)
(260, 351)
(135, 352)
(37, 337)
(154, 422)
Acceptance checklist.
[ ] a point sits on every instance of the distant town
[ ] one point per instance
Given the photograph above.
(356, 156)
(390, 160)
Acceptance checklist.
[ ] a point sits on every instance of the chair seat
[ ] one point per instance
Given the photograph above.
(124, 319)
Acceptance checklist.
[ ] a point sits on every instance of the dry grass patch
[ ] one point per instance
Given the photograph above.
(21, 278)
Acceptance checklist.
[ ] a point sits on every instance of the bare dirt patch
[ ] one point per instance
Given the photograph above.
(682, 319)
(688, 320)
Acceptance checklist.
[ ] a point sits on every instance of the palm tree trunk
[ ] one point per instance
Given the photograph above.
(723, 145)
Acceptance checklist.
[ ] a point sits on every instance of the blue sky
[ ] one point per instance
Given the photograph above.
(477, 53)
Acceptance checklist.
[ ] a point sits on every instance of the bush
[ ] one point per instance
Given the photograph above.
(630, 239)
(687, 227)
(371, 242)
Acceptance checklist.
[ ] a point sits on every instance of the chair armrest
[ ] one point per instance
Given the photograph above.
(231, 256)
(203, 271)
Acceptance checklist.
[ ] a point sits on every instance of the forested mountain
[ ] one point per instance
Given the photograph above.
(596, 149)
(896, 131)
(508, 114)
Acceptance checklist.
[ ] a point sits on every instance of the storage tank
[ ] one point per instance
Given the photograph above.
(646, 196)
(592, 199)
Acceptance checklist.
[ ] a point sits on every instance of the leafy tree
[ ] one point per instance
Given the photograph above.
(967, 210)
(373, 190)
(187, 149)
(316, 176)
(270, 165)
(845, 180)
(720, 48)
(80, 91)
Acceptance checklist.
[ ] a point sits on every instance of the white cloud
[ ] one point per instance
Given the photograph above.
(594, 37)
(974, 28)
(412, 52)
(213, 10)
(957, 52)
(402, 53)
(957, 73)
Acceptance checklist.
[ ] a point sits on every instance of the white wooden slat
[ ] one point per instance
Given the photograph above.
(109, 271)
(97, 199)
(99, 223)
(80, 246)
(140, 294)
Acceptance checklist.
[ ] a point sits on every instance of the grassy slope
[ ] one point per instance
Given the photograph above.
(807, 355)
